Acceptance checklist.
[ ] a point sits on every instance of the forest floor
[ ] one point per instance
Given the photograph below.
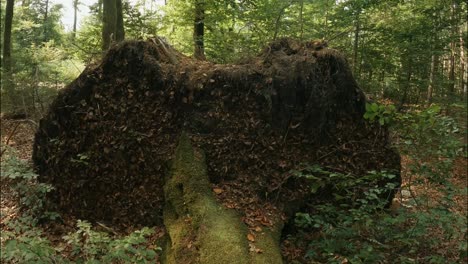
(19, 134)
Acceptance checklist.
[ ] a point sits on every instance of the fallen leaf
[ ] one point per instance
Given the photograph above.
(218, 190)
(251, 237)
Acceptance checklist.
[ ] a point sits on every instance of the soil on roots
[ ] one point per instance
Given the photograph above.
(107, 139)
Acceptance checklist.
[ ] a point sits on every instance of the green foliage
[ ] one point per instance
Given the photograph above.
(346, 187)
(364, 233)
(22, 240)
(361, 236)
(31, 194)
(381, 113)
(430, 139)
(89, 246)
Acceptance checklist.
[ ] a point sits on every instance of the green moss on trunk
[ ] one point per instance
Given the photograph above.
(202, 230)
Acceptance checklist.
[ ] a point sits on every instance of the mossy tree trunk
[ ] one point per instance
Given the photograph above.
(200, 228)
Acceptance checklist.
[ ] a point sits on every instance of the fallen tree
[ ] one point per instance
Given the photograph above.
(108, 139)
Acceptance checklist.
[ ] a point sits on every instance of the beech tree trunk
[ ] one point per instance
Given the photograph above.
(451, 88)
(356, 44)
(7, 82)
(46, 16)
(112, 23)
(109, 23)
(463, 61)
(430, 88)
(199, 30)
(75, 15)
(119, 31)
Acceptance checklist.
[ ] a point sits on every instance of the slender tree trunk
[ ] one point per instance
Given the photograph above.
(7, 82)
(46, 17)
(301, 19)
(407, 87)
(382, 83)
(430, 88)
(451, 88)
(463, 61)
(434, 62)
(109, 23)
(199, 30)
(357, 30)
(120, 32)
(75, 16)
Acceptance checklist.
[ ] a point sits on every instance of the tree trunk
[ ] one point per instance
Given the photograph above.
(119, 31)
(382, 84)
(451, 87)
(301, 19)
(109, 23)
(463, 61)
(430, 88)
(202, 229)
(407, 86)
(199, 30)
(46, 17)
(8, 83)
(75, 16)
(356, 44)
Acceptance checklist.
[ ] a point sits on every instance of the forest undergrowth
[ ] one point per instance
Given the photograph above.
(426, 222)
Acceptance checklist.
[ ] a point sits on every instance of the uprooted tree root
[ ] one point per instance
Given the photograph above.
(107, 140)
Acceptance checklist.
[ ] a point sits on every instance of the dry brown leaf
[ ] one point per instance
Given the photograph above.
(251, 238)
(218, 190)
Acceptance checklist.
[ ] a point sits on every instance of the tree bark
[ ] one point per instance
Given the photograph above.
(430, 88)
(407, 87)
(356, 43)
(109, 23)
(199, 30)
(75, 15)
(119, 31)
(463, 61)
(8, 84)
(46, 17)
(301, 19)
(451, 88)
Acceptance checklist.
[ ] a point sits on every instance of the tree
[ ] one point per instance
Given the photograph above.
(112, 23)
(75, 17)
(199, 30)
(119, 30)
(8, 83)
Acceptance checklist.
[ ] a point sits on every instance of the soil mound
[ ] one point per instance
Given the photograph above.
(107, 139)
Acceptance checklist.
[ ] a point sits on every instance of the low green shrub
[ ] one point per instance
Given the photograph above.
(23, 241)
(431, 231)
